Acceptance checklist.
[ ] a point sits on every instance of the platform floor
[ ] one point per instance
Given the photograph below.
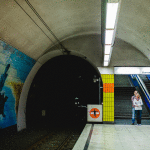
(129, 121)
(120, 135)
(114, 137)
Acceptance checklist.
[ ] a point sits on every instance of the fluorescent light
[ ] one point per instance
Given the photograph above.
(105, 63)
(106, 57)
(111, 15)
(111, 20)
(108, 36)
(107, 49)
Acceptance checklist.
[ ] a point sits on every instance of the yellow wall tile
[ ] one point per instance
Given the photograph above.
(103, 80)
(111, 81)
(111, 99)
(104, 109)
(107, 94)
(104, 75)
(112, 95)
(113, 113)
(112, 104)
(104, 99)
(112, 109)
(104, 94)
(108, 110)
(108, 99)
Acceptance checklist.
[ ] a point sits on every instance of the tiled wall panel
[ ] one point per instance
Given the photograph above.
(108, 97)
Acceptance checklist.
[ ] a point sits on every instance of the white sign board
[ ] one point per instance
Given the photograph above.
(94, 113)
(131, 70)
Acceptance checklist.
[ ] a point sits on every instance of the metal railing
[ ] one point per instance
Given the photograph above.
(142, 85)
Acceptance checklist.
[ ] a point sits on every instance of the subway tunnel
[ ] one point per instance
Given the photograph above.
(62, 87)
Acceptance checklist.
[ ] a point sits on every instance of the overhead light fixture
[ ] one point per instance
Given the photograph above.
(105, 63)
(107, 49)
(111, 22)
(106, 57)
(111, 15)
(108, 36)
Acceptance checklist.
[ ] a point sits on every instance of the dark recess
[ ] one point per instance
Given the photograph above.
(54, 89)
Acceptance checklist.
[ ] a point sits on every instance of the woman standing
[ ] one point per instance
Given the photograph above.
(133, 107)
(138, 108)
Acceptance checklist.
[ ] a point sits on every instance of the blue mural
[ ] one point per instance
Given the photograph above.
(14, 69)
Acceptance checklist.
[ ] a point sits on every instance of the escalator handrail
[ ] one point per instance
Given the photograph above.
(142, 85)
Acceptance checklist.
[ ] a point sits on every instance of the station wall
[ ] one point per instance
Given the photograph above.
(14, 69)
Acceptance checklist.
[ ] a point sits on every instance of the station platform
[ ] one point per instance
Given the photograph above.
(114, 137)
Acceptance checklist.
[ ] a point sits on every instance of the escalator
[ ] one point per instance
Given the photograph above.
(146, 81)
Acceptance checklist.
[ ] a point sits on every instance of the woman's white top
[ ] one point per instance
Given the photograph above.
(139, 103)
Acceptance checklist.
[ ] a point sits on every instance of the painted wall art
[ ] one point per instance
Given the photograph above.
(14, 69)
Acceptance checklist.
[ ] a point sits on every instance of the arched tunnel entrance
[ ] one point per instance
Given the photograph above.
(61, 90)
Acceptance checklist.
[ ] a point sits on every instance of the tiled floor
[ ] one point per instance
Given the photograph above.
(119, 137)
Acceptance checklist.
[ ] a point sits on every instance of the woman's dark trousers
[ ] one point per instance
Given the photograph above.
(138, 116)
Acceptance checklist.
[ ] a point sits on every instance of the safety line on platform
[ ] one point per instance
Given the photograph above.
(89, 138)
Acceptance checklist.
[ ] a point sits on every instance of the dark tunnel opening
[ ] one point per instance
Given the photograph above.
(61, 90)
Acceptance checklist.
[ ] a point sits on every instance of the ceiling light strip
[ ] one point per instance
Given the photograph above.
(111, 17)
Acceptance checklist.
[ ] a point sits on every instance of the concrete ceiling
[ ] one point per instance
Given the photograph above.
(77, 24)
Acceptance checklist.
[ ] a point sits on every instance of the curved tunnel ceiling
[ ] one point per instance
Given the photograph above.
(67, 19)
